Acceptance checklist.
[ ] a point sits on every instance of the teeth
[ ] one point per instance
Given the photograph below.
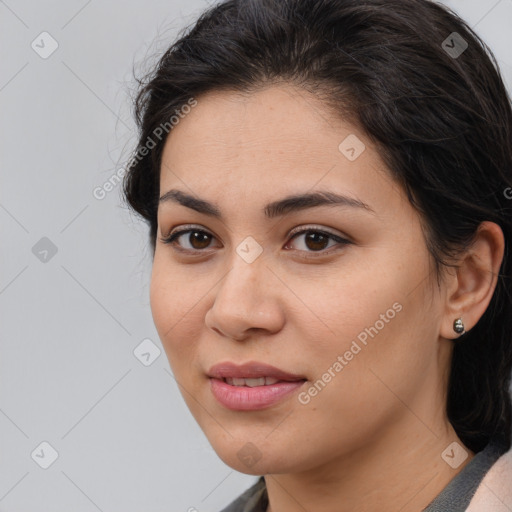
(252, 383)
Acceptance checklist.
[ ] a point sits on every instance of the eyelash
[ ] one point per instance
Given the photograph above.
(172, 237)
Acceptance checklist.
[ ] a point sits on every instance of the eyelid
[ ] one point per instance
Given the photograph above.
(313, 227)
(187, 227)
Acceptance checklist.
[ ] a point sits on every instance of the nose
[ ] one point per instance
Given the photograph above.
(247, 300)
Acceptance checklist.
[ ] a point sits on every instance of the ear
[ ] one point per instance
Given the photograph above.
(469, 287)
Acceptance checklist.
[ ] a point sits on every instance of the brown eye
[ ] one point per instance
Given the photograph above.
(200, 238)
(317, 241)
(197, 239)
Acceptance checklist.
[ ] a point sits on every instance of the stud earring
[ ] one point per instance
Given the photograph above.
(458, 326)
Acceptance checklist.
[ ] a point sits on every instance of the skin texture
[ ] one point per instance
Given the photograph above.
(372, 439)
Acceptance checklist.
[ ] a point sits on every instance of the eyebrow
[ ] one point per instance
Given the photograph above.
(278, 208)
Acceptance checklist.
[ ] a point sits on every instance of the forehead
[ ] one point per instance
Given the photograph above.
(275, 121)
(271, 142)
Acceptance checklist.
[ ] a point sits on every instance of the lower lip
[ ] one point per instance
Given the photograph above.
(244, 398)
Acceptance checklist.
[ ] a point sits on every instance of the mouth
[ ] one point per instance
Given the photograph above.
(251, 383)
(251, 370)
(252, 386)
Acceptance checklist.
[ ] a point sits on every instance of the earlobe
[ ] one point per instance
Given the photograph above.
(472, 285)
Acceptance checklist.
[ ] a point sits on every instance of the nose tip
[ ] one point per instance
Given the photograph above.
(239, 327)
(245, 303)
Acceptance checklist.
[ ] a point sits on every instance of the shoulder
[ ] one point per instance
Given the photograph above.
(494, 494)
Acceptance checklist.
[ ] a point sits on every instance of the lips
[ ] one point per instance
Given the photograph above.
(251, 370)
(252, 386)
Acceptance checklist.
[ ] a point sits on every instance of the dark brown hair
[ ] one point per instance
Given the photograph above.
(438, 111)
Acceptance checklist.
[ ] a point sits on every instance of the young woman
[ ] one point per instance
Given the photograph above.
(328, 190)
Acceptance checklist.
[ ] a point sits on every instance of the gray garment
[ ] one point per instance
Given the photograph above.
(455, 497)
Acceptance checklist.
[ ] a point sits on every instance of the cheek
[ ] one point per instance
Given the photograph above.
(175, 306)
(370, 319)
(358, 387)
(343, 303)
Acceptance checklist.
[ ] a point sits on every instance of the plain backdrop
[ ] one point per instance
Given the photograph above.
(75, 268)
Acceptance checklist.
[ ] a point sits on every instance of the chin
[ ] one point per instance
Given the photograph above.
(251, 459)
(252, 466)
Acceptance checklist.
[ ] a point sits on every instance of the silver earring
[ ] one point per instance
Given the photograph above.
(458, 326)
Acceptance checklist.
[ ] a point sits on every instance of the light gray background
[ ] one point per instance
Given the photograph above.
(69, 326)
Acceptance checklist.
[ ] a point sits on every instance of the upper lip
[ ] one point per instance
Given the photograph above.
(250, 370)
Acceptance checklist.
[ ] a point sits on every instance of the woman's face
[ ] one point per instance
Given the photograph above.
(348, 307)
